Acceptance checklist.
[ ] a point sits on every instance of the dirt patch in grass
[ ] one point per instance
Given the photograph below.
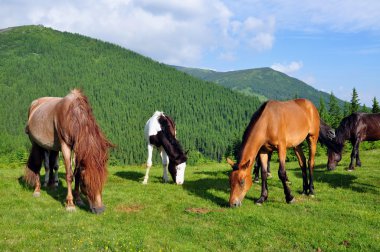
(201, 210)
(129, 208)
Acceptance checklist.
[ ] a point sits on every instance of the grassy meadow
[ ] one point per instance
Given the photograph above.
(343, 216)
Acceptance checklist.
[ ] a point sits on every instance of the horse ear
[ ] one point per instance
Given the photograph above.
(230, 162)
(246, 165)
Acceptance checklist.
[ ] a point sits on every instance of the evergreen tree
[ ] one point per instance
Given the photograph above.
(375, 106)
(324, 115)
(365, 109)
(354, 102)
(335, 114)
(346, 109)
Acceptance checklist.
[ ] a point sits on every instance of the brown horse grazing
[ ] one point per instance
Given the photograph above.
(67, 124)
(275, 126)
(356, 128)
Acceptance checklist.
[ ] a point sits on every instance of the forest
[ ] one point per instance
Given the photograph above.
(124, 89)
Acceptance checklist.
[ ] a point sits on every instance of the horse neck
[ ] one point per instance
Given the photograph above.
(249, 150)
(173, 148)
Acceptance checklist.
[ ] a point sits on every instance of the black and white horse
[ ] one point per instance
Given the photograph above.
(160, 132)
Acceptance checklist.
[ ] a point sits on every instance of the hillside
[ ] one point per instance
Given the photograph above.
(264, 83)
(124, 89)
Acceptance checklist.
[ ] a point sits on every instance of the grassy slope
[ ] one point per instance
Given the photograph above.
(343, 215)
(261, 82)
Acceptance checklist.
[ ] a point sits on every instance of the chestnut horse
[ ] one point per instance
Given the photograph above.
(68, 125)
(356, 128)
(277, 126)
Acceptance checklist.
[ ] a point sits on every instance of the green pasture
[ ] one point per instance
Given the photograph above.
(343, 216)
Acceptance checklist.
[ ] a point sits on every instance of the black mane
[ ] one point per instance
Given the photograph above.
(327, 137)
(346, 126)
(171, 145)
(249, 128)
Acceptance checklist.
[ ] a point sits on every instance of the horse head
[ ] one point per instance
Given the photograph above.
(177, 170)
(333, 158)
(240, 182)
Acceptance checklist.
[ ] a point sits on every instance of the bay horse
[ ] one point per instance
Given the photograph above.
(68, 125)
(276, 125)
(160, 132)
(356, 128)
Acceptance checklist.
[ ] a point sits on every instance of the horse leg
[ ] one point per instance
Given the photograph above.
(66, 153)
(264, 186)
(53, 168)
(282, 174)
(358, 162)
(302, 163)
(312, 150)
(77, 199)
(354, 153)
(33, 167)
(47, 169)
(256, 169)
(268, 167)
(148, 164)
(165, 163)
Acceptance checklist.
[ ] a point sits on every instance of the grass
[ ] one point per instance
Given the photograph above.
(344, 214)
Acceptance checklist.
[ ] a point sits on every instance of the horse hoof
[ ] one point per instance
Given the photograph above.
(292, 201)
(36, 194)
(70, 208)
(259, 204)
(256, 181)
(145, 182)
(312, 195)
(79, 203)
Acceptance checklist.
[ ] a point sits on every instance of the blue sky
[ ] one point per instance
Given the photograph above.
(332, 45)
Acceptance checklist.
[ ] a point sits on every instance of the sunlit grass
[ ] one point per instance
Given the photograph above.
(343, 215)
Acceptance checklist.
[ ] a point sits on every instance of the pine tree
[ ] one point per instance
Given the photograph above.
(375, 106)
(324, 115)
(335, 114)
(346, 109)
(354, 102)
(365, 109)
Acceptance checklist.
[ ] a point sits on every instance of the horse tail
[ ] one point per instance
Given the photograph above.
(327, 137)
(89, 143)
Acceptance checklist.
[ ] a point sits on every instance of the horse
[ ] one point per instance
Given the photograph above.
(257, 167)
(68, 125)
(276, 125)
(356, 128)
(160, 132)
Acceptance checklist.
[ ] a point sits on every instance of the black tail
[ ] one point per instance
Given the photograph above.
(327, 137)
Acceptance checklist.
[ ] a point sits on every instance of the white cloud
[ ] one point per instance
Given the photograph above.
(171, 31)
(290, 68)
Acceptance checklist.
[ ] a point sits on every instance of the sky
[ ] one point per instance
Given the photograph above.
(332, 45)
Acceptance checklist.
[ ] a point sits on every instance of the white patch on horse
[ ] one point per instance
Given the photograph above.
(180, 178)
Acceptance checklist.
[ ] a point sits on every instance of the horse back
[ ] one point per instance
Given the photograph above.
(290, 122)
(371, 127)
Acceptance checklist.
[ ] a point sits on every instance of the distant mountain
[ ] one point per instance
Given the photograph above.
(264, 83)
(124, 89)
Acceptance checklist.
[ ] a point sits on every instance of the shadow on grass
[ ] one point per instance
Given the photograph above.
(58, 193)
(130, 175)
(203, 188)
(339, 180)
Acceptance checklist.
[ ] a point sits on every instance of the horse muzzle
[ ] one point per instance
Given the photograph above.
(98, 210)
(236, 203)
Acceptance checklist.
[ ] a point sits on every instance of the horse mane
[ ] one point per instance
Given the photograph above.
(171, 125)
(167, 130)
(250, 126)
(343, 132)
(327, 137)
(87, 140)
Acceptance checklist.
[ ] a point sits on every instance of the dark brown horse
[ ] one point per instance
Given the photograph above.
(275, 126)
(68, 125)
(356, 128)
